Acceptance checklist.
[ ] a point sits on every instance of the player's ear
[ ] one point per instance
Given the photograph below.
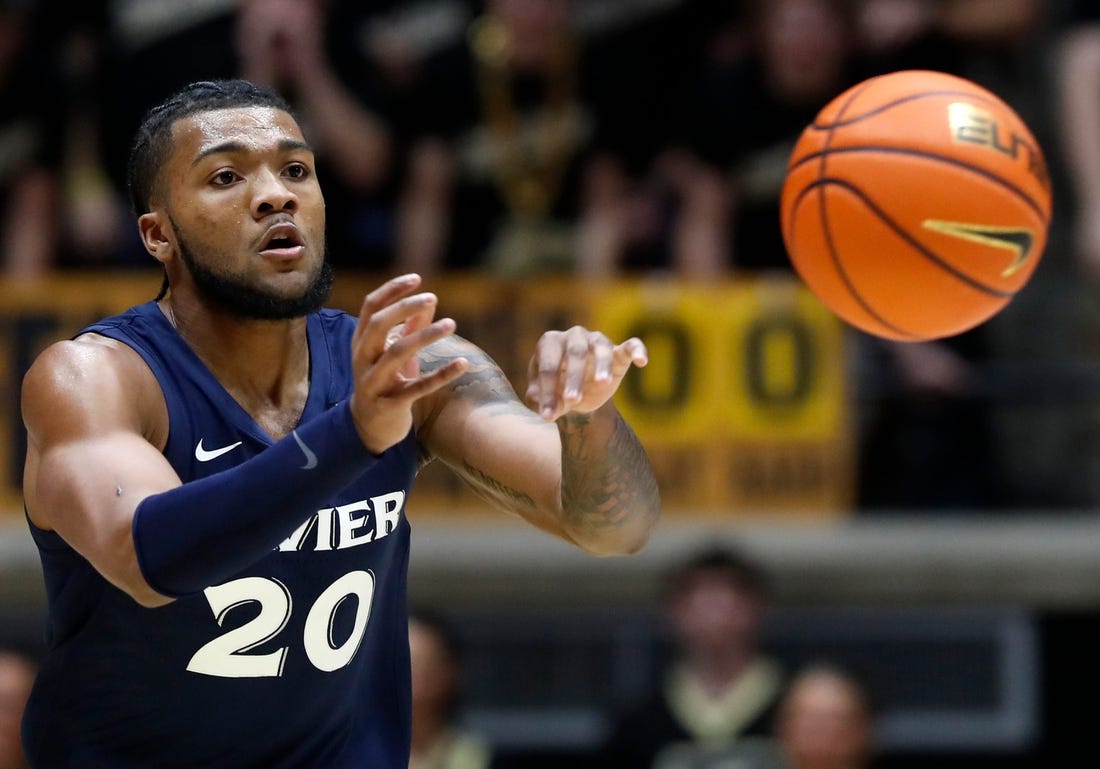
(155, 235)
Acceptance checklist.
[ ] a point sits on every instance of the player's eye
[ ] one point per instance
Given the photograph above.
(297, 170)
(224, 177)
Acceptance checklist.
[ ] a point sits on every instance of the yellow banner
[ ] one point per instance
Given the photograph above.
(743, 405)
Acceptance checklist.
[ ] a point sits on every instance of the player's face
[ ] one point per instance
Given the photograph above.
(246, 212)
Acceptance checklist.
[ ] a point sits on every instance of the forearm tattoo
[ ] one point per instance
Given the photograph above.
(495, 491)
(606, 481)
(484, 384)
(486, 387)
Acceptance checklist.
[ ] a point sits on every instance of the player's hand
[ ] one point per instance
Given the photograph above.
(578, 370)
(395, 324)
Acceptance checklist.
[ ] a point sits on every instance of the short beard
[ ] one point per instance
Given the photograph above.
(233, 296)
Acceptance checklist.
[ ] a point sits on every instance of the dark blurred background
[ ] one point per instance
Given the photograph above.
(925, 513)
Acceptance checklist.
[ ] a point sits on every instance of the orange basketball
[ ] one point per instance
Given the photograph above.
(916, 205)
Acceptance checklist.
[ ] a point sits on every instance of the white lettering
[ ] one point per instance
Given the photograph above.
(325, 540)
(352, 526)
(387, 511)
(295, 541)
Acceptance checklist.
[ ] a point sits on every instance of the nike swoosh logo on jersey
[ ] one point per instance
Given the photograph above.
(311, 458)
(205, 455)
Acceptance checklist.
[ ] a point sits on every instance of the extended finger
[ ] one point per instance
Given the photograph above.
(413, 324)
(547, 372)
(375, 333)
(577, 347)
(380, 376)
(384, 295)
(634, 351)
(603, 357)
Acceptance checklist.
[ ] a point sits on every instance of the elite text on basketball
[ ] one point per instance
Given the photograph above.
(974, 125)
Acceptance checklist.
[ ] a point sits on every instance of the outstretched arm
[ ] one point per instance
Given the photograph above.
(569, 464)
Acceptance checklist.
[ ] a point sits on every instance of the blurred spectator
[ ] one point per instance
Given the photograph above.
(438, 741)
(718, 186)
(491, 175)
(1078, 80)
(31, 134)
(16, 678)
(803, 57)
(647, 204)
(825, 720)
(506, 123)
(719, 688)
(123, 57)
(945, 35)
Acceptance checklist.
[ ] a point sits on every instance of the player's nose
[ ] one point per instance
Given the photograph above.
(271, 193)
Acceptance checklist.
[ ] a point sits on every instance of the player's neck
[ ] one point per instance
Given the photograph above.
(263, 364)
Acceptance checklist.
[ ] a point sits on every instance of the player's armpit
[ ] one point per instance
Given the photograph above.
(88, 463)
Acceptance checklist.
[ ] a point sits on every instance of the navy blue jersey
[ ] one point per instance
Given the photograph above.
(301, 660)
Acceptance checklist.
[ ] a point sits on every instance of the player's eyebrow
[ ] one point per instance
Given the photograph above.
(234, 146)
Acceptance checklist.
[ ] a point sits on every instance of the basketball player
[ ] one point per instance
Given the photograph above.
(216, 480)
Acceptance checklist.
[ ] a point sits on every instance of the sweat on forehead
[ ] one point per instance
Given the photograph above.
(237, 130)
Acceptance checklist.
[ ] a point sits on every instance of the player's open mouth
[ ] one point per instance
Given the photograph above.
(282, 241)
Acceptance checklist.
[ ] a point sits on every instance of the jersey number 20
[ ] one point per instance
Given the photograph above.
(227, 655)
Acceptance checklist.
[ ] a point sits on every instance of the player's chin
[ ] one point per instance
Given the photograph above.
(287, 284)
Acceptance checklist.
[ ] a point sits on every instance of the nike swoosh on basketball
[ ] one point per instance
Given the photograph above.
(311, 458)
(1019, 240)
(205, 455)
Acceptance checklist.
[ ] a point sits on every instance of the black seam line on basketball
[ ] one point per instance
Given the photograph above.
(933, 156)
(903, 100)
(840, 114)
(900, 232)
(825, 150)
(838, 265)
(825, 226)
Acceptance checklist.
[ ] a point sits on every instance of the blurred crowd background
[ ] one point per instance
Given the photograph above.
(597, 140)
(594, 139)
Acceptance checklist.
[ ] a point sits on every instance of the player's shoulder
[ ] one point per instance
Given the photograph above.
(89, 366)
(86, 354)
